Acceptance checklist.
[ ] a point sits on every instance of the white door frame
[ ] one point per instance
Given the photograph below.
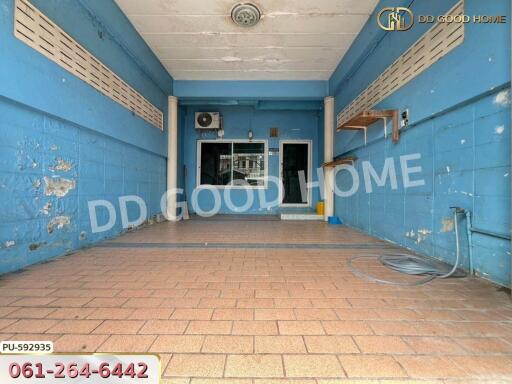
(310, 157)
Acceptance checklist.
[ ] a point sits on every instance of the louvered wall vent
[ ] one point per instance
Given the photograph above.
(40, 33)
(434, 44)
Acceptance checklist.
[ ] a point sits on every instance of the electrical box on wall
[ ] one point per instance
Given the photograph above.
(207, 120)
(405, 119)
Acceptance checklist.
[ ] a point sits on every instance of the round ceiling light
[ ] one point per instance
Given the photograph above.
(245, 14)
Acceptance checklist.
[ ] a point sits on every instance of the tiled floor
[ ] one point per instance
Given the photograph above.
(262, 307)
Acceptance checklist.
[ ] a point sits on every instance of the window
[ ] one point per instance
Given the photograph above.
(224, 163)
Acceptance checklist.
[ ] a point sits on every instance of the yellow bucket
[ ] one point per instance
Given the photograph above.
(320, 208)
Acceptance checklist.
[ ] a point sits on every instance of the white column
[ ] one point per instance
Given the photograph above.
(328, 156)
(172, 156)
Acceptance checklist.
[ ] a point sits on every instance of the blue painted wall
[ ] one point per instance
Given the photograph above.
(460, 124)
(300, 123)
(56, 128)
(261, 90)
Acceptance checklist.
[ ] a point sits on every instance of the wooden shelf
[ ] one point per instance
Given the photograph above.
(366, 118)
(344, 160)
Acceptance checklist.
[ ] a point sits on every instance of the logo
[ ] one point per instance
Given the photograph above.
(395, 19)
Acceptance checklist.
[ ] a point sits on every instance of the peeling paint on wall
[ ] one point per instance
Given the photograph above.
(9, 243)
(56, 186)
(499, 130)
(46, 208)
(466, 129)
(46, 133)
(502, 98)
(62, 165)
(420, 236)
(58, 222)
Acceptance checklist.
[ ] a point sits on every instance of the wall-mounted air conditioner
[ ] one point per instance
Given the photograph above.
(208, 120)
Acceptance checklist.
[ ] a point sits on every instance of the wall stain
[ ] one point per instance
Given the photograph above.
(35, 246)
(448, 225)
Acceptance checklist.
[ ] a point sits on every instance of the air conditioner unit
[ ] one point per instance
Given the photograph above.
(208, 120)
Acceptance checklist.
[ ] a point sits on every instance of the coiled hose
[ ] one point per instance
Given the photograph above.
(413, 265)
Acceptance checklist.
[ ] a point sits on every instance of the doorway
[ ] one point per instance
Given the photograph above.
(295, 156)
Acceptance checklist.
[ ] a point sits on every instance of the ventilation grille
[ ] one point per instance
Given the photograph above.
(434, 44)
(40, 33)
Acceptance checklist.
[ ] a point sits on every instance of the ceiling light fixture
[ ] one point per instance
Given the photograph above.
(245, 14)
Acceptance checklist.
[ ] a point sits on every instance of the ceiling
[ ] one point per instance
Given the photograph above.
(295, 39)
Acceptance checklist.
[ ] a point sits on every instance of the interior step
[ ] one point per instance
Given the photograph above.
(301, 216)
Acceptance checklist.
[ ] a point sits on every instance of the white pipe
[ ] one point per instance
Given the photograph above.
(328, 156)
(172, 157)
